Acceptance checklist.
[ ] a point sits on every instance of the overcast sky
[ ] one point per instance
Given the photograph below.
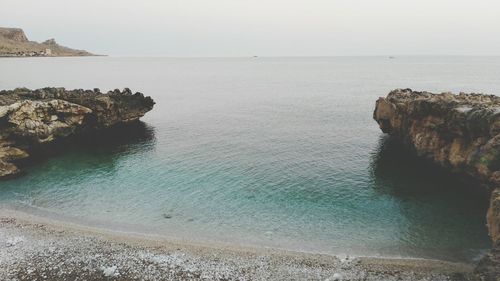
(262, 27)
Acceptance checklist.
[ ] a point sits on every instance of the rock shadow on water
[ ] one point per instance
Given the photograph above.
(99, 146)
(397, 170)
(441, 210)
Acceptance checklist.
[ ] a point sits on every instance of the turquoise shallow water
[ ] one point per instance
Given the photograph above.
(274, 152)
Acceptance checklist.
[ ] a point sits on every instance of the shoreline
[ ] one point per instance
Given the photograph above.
(141, 232)
(36, 247)
(61, 56)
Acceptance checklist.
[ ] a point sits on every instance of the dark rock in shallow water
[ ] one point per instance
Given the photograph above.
(30, 118)
(458, 132)
(488, 267)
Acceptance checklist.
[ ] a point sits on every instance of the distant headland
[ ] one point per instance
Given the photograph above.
(14, 43)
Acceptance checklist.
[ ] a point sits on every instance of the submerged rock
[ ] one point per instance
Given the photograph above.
(29, 118)
(488, 267)
(458, 132)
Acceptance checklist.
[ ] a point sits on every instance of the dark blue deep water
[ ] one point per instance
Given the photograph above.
(273, 152)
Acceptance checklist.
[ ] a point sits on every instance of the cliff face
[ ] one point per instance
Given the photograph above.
(458, 132)
(14, 34)
(31, 118)
(14, 43)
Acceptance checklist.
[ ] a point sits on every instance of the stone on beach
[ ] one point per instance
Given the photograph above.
(111, 271)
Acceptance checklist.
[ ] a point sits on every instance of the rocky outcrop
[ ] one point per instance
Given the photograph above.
(458, 132)
(29, 119)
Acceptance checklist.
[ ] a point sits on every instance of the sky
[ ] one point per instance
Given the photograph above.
(221, 28)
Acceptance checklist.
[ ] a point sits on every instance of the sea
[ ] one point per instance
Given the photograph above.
(267, 152)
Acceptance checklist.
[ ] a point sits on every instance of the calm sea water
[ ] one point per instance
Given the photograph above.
(273, 152)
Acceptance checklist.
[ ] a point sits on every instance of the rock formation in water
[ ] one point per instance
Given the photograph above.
(30, 118)
(458, 132)
(14, 43)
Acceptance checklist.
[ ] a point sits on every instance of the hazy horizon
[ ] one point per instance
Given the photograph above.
(277, 28)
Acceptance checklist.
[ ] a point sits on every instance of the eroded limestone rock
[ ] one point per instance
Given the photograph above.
(458, 132)
(493, 216)
(30, 118)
